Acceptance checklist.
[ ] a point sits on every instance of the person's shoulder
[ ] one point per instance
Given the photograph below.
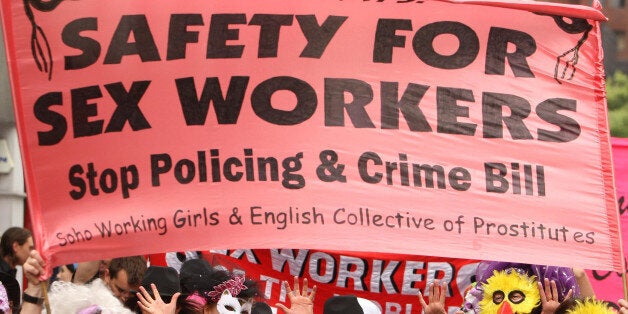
(6, 268)
(6, 277)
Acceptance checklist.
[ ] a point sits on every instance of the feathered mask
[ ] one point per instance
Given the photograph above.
(509, 291)
(588, 306)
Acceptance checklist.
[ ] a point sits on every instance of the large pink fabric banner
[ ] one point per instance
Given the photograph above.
(608, 285)
(411, 127)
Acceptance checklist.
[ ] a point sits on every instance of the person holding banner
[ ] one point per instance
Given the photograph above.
(623, 304)
(64, 297)
(33, 295)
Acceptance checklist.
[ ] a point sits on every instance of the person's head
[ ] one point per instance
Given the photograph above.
(511, 291)
(261, 308)
(10, 294)
(213, 290)
(562, 276)
(66, 272)
(584, 306)
(165, 279)
(16, 245)
(124, 275)
(350, 304)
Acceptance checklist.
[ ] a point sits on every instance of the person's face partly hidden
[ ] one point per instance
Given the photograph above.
(119, 285)
(23, 251)
(64, 274)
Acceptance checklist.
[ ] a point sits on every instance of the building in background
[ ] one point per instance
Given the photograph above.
(12, 193)
(617, 13)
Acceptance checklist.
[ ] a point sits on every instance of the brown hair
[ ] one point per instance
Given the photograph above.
(11, 235)
(135, 267)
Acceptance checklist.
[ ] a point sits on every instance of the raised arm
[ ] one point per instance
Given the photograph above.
(301, 301)
(33, 295)
(438, 291)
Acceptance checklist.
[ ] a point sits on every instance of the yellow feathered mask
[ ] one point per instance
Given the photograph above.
(510, 292)
(589, 306)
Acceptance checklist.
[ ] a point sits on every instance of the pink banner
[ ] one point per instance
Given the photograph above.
(606, 284)
(392, 126)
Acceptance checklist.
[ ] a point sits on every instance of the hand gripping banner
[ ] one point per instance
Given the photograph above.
(410, 127)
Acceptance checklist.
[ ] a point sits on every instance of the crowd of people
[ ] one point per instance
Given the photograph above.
(129, 285)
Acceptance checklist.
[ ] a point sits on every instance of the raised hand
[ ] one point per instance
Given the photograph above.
(156, 305)
(301, 301)
(624, 306)
(549, 296)
(438, 291)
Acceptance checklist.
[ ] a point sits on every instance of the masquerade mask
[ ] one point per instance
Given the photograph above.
(227, 304)
(234, 286)
(590, 306)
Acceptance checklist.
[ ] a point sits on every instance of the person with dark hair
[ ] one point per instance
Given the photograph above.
(261, 308)
(66, 272)
(350, 304)
(124, 275)
(66, 297)
(213, 290)
(154, 304)
(159, 292)
(15, 246)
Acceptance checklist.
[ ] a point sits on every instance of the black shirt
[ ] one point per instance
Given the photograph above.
(6, 268)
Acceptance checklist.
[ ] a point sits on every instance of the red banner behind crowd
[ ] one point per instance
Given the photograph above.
(390, 280)
(397, 126)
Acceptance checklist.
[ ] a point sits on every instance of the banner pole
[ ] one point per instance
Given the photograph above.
(623, 280)
(44, 287)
